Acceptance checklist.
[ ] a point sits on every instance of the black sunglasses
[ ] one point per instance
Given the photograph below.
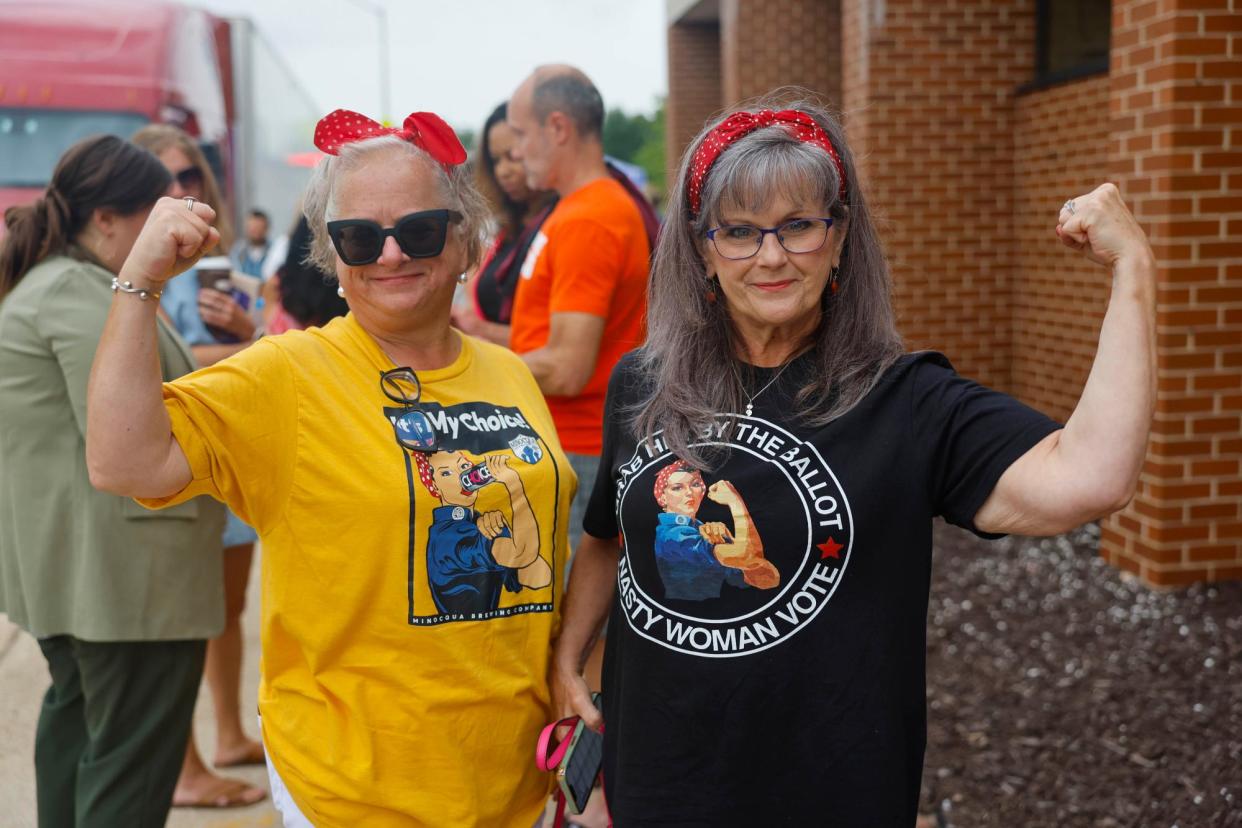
(189, 178)
(419, 235)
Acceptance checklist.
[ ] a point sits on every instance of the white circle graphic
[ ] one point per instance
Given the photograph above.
(823, 514)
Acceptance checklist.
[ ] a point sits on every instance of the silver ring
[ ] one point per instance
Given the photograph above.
(189, 203)
(1069, 205)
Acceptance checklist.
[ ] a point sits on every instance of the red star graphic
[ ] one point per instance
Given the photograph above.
(830, 548)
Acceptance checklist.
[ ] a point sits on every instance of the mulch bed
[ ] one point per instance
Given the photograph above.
(1062, 693)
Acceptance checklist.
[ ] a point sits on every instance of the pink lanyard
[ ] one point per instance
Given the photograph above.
(548, 759)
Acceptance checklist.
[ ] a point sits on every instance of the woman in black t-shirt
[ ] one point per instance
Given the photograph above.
(519, 212)
(773, 374)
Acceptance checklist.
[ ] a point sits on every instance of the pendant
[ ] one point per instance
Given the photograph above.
(749, 409)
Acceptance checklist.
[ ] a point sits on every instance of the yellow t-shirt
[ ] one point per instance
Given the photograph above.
(409, 598)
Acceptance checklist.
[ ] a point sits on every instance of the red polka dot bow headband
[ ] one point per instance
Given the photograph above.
(740, 124)
(425, 130)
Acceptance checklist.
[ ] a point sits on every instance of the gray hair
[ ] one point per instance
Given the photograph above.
(456, 187)
(689, 354)
(566, 89)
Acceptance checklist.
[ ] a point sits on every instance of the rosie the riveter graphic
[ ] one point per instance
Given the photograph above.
(471, 556)
(696, 559)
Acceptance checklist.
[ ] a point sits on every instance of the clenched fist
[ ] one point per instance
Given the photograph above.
(177, 234)
(1101, 227)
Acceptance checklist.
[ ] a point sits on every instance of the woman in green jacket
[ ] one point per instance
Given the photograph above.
(120, 599)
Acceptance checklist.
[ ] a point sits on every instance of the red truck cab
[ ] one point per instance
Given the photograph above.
(71, 69)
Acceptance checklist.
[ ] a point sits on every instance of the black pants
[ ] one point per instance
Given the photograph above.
(112, 731)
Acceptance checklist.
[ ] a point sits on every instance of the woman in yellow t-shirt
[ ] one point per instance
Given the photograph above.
(405, 626)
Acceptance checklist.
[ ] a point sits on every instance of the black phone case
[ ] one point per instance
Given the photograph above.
(583, 764)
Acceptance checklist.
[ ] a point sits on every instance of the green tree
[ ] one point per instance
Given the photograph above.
(650, 155)
(624, 134)
(638, 139)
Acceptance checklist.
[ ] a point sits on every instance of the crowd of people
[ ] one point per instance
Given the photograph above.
(714, 420)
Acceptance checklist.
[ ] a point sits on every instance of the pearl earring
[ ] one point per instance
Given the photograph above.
(463, 278)
(340, 291)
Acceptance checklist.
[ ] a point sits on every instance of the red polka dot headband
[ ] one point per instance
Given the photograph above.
(426, 473)
(740, 124)
(425, 130)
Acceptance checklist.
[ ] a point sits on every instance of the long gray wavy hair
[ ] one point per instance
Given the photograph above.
(690, 357)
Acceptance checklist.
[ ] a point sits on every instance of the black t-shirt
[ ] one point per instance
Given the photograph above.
(765, 657)
(498, 277)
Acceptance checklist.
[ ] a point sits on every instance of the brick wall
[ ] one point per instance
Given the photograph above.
(1061, 145)
(967, 175)
(933, 105)
(1176, 125)
(694, 91)
(776, 43)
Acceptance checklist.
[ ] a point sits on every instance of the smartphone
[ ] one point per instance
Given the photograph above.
(581, 763)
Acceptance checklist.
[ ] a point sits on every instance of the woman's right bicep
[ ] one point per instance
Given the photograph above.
(174, 475)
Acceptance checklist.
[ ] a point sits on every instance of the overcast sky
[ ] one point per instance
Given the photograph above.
(460, 59)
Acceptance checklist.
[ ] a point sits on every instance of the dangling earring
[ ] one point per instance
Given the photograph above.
(711, 290)
(463, 278)
(832, 280)
(340, 291)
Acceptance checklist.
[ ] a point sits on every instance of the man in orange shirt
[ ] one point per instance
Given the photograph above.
(581, 299)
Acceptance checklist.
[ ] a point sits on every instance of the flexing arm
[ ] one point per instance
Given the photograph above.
(746, 544)
(592, 583)
(745, 552)
(565, 364)
(130, 449)
(1091, 467)
(521, 551)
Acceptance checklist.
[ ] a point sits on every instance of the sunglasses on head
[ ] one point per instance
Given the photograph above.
(419, 235)
(189, 178)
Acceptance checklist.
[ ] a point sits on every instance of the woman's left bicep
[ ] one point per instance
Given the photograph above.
(1040, 495)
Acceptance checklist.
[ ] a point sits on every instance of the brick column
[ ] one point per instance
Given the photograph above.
(777, 43)
(694, 92)
(1176, 105)
(928, 99)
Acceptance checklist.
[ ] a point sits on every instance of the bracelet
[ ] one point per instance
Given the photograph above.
(128, 287)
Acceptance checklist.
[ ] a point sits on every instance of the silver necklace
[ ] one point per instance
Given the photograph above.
(750, 398)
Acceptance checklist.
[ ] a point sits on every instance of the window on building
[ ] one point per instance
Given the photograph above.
(1072, 39)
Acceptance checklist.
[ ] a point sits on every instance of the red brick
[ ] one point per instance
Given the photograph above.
(1215, 425)
(1158, 554)
(1186, 46)
(1214, 468)
(1176, 577)
(1221, 250)
(1205, 554)
(1221, 160)
(1214, 23)
(1178, 532)
(1204, 511)
(1225, 573)
(1128, 564)
(1181, 448)
(1233, 293)
(1158, 512)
